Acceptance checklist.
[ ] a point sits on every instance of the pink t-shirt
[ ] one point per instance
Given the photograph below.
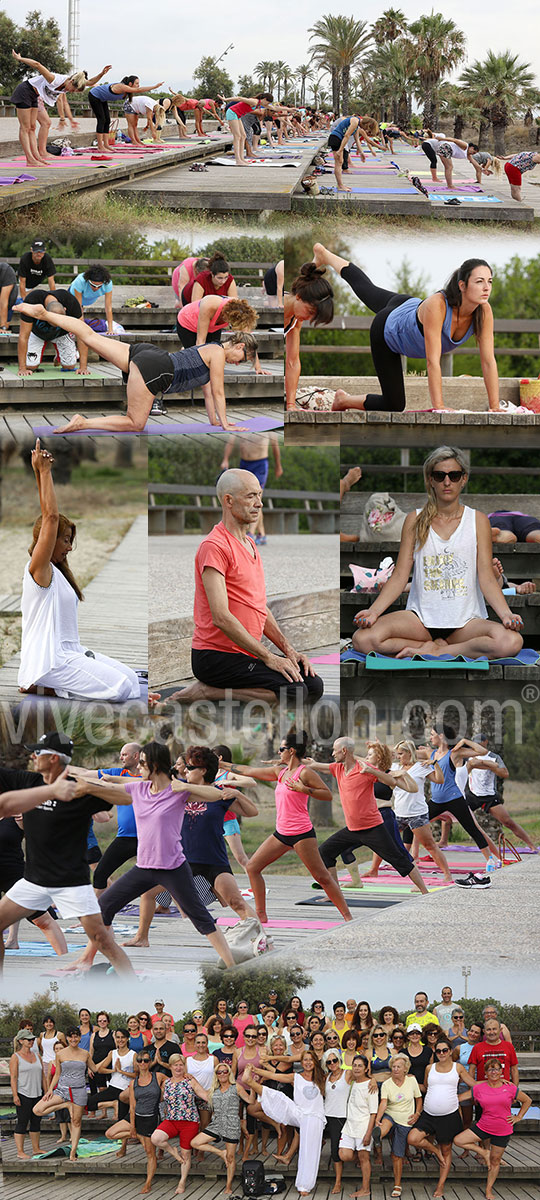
(159, 817)
(241, 1023)
(188, 264)
(244, 580)
(188, 317)
(356, 792)
(496, 1104)
(291, 807)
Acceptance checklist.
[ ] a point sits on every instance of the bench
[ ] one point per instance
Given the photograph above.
(278, 517)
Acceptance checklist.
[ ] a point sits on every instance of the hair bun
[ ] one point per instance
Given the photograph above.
(311, 271)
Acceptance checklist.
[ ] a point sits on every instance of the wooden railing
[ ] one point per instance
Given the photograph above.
(144, 271)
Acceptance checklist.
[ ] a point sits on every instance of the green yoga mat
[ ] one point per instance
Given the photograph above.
(47, 371)
(85, 1149)
(420, 664)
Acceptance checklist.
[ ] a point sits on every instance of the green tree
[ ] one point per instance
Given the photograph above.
(266, 74)
(304, 73)
(40, 38)
(10, 70)
(440, 46)
(392, 69)
(457, 104)
(391, 25)
(212, 80)
(247, 86)
(502, 86)
(340, 42)
(251, 983)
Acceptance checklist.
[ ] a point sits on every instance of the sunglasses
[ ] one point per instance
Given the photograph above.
(228, 1035)
(442, 1050)
(141, 1060)
(249, 1036)
(379, 1035)
(453, 476)
(331, 1062)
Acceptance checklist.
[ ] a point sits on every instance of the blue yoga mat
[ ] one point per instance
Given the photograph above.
(464, 197)
(39, 949)
(383, 662)
(253, 424)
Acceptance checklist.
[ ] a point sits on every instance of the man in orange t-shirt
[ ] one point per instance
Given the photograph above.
(231, 614)
(364, 825)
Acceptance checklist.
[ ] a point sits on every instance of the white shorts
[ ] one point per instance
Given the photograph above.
(65, 344)
(70, 901)
(346, 1142)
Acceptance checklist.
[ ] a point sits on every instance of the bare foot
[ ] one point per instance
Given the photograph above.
(368, 1193)
(320, 254)
(180, 1189)
(121, 1153)
(283, 1158)
(23, 1155)
(137, 941)
(342, 401)
(146, 1189)
(74, 425)
(73, 1156)
(336, 1189)
(371, 874)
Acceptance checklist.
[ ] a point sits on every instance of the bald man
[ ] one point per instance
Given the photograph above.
(231, 614)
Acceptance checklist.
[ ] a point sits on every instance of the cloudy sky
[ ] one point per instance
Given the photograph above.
(168, 43)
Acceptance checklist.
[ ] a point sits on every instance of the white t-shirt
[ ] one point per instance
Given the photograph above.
(49, 92)
(139, 104)
(483, 782)
(413, 804)
(335, 1097)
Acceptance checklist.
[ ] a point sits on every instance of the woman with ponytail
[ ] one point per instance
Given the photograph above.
(52, 657)
(295, 783)
(310, 299)
(415, 328)
(447, 547)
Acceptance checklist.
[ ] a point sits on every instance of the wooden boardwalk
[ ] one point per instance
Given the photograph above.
(226, 188)
(508, 431)
(79, 175)
(19, 426)
(114, 615)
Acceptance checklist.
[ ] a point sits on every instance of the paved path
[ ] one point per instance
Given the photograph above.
(114, 615)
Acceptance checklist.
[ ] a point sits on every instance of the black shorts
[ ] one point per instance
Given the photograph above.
(156, 367)
(220, 669)
(188, 337)
(217, 1137)
(270, 282)
(210, 871)
(24, 96)
(93, 854)
(517, 523)
(334, 143)
(290, 839)
(445, 1129)
(485, 802)
(496, 1139)
(145, 1125)
(442, 631)
(377, 838)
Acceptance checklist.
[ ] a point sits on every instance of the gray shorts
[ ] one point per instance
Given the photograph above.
(412, 822)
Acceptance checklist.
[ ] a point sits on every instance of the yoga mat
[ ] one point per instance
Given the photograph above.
(380, 191)
(47, 371)
(382, 662)
(38, 949)
(6, 179)
(441, 187)
(326, 658)
(387, 888)
(373, 902)
(468, 199)
(253, 424)
(221, 161)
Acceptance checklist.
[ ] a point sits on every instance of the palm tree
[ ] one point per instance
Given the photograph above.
(341, 42)
(439, 47)
(391, 25)
(393, 69)
(265, 72)
(303, 73)
(281, 70)
(502, 86)
(456, 103)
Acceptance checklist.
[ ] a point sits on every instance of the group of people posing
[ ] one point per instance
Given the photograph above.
(427, 1081)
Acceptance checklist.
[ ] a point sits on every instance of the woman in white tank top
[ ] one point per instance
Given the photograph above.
(440, 1116)
(52, 656)
(448, 548)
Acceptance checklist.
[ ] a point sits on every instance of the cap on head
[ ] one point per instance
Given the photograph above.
(53, 743)
(24, 1035)
(38, 245)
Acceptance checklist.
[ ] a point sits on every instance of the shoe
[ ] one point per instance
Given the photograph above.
(260, 540)
(471, 880)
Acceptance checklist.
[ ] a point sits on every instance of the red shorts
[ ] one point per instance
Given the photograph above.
(184, 1130)
(513, 174)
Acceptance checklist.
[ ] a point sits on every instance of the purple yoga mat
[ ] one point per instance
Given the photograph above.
(461, 187)
(5, 179)
(253, 424)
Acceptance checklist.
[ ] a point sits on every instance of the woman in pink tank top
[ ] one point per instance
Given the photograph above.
(202, 321)
(295, 783)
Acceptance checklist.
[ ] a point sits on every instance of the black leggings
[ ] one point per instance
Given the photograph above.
(179, 882)
(461, 811)
(218, 668)
(377, 838)
(188, 337)
(119, 851)
(110, 1093)
(26, 1117)
(430, 153)
(333, 1128)
(100, 109)
(387, 363)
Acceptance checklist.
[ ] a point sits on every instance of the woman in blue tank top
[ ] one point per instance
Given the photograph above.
(415, 328)
(149, 372)
(340, 133)
(103, 94)
(450, 752)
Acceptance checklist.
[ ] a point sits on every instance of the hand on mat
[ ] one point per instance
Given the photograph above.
(365, 619)
(513, 622)
(24, 373)
(285, 666)
(81, 372)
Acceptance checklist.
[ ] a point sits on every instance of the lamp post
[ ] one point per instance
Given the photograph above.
(465, 971)
(74, 24)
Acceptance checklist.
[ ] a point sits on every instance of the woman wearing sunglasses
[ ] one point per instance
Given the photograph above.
(494, 1096)
(414, 328)
(440, 1117)
(447, 546)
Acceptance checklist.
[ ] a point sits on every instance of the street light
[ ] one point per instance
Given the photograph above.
(465, 971)
(216, 60)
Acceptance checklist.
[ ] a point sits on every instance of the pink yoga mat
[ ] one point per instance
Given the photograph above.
(327, 658)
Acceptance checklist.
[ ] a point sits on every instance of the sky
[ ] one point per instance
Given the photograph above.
(434, 257)
(123, 34)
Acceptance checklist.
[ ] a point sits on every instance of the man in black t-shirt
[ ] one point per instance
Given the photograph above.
(34, 334)
(36, 266)
(160, 1049)
(57, 870)
(12, 859)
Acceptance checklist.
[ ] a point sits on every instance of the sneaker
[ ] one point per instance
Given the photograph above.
(471, 880)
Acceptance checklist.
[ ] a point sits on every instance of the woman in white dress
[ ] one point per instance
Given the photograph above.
(357, 1132)
(448, 548)
(305, 1112)
(52, 656)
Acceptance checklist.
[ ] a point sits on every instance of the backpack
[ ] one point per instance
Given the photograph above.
(253, 1177)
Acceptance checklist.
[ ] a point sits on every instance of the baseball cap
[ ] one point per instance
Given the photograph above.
(54, 743)
(415, 1026)
(38, 244)
(25, 1035)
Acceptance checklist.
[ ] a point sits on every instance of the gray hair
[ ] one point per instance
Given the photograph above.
(345, 743)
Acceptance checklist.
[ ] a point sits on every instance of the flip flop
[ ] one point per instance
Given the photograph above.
(454, 200)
